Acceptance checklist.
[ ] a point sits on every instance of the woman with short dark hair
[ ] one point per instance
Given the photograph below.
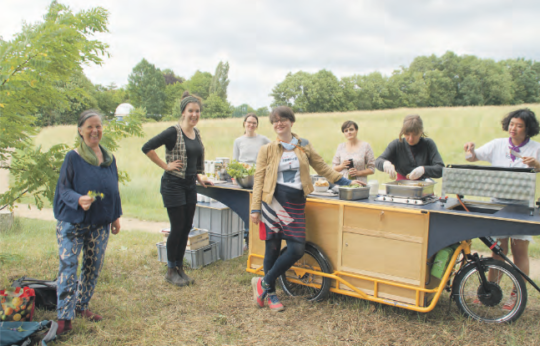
(518, 150)
(87, 206)
(282, 182)
(184, 155)
(416, 157)
(355, 150)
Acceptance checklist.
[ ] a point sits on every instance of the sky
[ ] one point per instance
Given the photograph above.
(264, 40)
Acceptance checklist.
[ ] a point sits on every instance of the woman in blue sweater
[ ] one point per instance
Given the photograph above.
(87, 206)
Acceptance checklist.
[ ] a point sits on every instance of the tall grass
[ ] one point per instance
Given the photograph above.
(449, 127)
(139, 308)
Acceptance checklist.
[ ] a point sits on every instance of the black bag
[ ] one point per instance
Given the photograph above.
(45, 291)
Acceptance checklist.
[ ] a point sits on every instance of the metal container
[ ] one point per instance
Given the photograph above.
(410, 189)
(246, 182)
(353, 194)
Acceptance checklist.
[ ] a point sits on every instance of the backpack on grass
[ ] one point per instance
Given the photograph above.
(45, 291)
(27, 333)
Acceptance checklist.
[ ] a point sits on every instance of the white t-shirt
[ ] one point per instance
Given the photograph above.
(289, 171)
(497, 152)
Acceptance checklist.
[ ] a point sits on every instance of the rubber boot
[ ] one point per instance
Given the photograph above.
(184, 276)
(174, 278)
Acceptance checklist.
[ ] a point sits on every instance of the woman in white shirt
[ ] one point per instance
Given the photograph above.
(247, 146)
(521, 126)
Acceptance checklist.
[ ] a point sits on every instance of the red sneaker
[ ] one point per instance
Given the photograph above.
(511, 302)
(89, 315)
(258, 292)
(274, 304)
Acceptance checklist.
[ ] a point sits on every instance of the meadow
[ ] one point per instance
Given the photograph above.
(139, 308)
(450, 128)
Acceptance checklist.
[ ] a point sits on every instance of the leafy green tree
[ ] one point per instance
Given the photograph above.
(173, 93)
(526, 80)
(262, 111)
(242, 110)
(215, 107)
(32, 66)
(146, 87)
(199, 84)
(220, 81)
(304, 92)
(109, 97)
(171, 77)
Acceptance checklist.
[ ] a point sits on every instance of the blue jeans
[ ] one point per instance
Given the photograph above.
(72, 238)
(276, 265)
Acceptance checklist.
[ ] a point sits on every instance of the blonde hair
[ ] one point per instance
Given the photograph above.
(412, 124)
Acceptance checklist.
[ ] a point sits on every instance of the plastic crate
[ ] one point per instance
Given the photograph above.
(196, 258)
(230, 245)
(217, 218)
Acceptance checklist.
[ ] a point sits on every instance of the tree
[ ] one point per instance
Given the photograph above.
(173, 93)
(199, 84)
(262, 112)
(146, 87)
(109, 97)
(220, 81)
(215, 107)
(32, 65)
(171, 77)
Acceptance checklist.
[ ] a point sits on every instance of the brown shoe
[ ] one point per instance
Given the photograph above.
(184, 276)
(64, 326)
(89, 315)
(174, 278)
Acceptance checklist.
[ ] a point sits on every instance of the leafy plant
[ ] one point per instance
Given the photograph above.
(240, 170)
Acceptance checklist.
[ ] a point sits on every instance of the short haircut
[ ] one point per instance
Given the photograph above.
(282, 112)
(348, 124)
(412, 124)
(529, 118)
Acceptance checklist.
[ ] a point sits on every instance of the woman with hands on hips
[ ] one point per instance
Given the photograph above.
(518, 150)
(363, 159)
(87, 206)
(282, 182)
(414, 158)
(184, 155)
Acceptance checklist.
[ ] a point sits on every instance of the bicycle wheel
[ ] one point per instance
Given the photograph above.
(495, 307)
(298, 283)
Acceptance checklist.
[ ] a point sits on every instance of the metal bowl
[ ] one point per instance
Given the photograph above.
(246, 182)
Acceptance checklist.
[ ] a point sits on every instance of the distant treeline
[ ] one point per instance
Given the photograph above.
(429, 81)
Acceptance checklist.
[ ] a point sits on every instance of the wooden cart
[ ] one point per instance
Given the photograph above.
(383, 252)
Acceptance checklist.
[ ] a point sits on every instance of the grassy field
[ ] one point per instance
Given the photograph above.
(449, 127)
(139, 308)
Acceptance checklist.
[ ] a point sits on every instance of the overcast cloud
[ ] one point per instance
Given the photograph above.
(263, 40)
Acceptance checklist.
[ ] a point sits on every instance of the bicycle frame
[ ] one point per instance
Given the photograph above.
(340, 276)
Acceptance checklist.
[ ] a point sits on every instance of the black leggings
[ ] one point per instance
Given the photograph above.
(181, 219)
(276, 265)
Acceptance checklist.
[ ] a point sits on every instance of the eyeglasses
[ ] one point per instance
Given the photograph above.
(280, 121)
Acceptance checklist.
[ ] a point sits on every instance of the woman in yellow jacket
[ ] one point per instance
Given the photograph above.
(282, 182)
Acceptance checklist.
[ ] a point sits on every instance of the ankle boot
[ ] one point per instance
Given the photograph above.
(64, 326)
(174, 278)
(184, 276)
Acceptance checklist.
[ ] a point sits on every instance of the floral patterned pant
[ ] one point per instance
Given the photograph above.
(72, 238)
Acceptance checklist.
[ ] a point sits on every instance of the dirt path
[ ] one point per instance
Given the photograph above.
(127, 223)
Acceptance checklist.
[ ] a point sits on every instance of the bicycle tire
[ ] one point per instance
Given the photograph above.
(319, 286)
(467, 291)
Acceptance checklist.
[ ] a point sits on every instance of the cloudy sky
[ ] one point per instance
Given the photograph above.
(263, 40)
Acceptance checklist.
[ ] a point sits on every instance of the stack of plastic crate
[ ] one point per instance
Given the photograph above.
(225, 228)
(200, 250)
